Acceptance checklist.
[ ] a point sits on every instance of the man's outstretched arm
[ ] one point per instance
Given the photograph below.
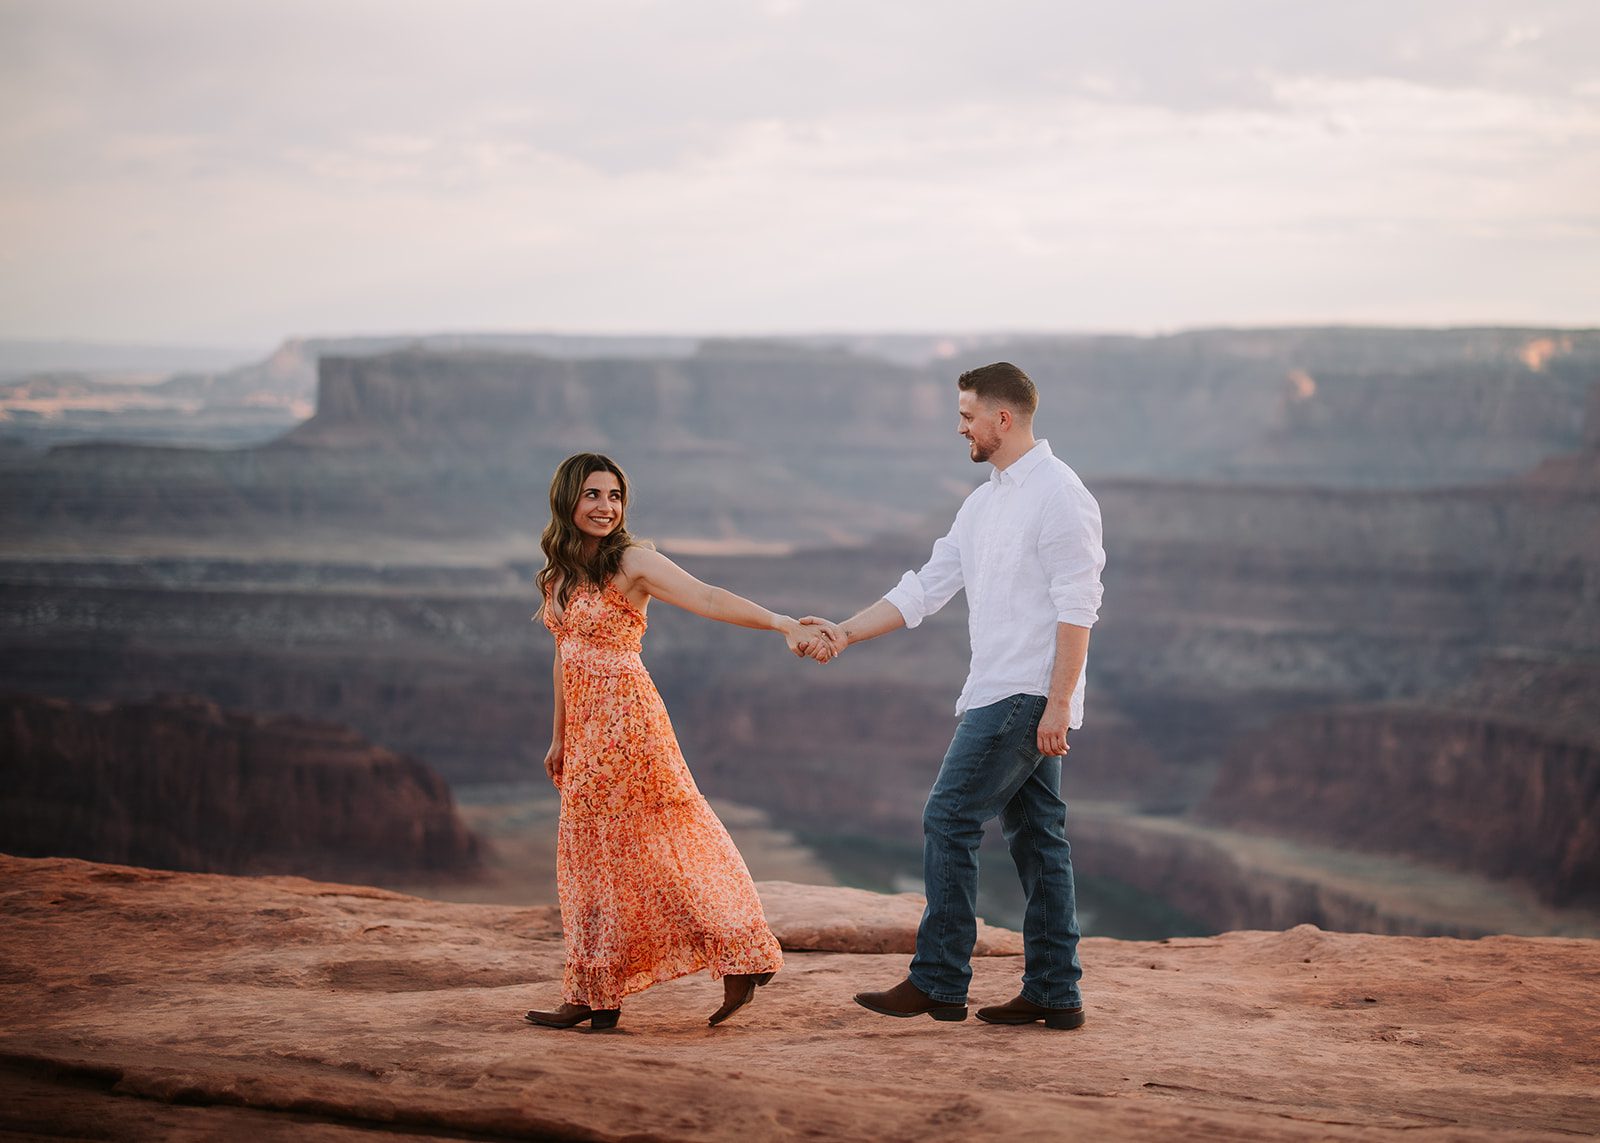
(918, 595)
(870, 622)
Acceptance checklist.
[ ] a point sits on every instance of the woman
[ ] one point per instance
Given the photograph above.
(651, 885)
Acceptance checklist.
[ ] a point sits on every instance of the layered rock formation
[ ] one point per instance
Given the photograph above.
(1225, 878)
(180, 784)
(155, 1006)
(457, 449)
(1493, 795)
(1227, 609)
(728, 392)
(439, 444)
(1328, 407)
(400, 523)
(236, 405)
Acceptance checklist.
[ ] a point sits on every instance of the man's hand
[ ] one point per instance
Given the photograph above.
(830, 640)
(1052, 738)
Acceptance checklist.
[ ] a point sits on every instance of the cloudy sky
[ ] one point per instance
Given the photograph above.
(236, 172)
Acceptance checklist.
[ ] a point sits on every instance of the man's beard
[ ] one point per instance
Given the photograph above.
(983, 450)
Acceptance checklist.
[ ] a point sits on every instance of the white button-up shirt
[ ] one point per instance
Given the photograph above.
(1026, 547)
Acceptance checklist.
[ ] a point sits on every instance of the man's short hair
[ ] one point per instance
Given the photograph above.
(1002, 384)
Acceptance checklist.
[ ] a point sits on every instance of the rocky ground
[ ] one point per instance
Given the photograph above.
(152, 1005)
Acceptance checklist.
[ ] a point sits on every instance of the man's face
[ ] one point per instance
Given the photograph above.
(980, 424)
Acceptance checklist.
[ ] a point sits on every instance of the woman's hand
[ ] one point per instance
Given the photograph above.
(800, 639)
(809, 638)
(554, 760)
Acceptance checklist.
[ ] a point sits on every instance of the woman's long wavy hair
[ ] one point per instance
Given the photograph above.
(562, 543)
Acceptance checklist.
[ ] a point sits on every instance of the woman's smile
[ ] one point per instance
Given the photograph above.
(599, 510)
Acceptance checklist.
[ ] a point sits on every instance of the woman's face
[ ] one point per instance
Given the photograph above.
(599, 510)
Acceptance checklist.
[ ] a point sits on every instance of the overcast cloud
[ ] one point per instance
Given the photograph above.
(209, 171)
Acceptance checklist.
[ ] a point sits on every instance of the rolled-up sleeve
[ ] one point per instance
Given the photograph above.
(920, 593)
(1070, 551)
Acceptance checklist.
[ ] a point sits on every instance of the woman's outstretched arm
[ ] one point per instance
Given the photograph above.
(658, 576)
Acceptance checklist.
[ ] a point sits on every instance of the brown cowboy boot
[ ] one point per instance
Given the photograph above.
(571, 1015)
(906, 999)
(738, 989)
(1021, 1011)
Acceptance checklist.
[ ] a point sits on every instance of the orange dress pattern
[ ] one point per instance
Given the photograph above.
(651, 885)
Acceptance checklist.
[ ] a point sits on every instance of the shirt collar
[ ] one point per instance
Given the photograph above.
(1023, 465)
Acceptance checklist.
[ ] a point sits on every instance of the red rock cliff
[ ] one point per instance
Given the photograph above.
(1475, 792)
(178, 783)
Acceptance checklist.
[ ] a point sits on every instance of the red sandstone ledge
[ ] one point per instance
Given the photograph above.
(151, 1005)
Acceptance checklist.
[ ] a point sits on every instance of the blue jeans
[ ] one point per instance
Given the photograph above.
(994, 767)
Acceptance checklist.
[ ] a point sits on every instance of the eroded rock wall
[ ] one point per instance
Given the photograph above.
(1479, 792)
(178, 783)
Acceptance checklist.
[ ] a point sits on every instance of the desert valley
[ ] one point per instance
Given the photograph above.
(1344, 674)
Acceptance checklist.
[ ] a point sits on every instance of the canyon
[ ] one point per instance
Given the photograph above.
(1413, 779)
(1313, 537)
(765, 443)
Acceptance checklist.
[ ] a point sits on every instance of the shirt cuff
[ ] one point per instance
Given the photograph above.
(907, 600)
(1077, 618)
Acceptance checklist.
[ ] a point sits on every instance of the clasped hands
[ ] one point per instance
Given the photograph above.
(818, 638)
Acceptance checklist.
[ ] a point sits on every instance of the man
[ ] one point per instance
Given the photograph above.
(1026, 547)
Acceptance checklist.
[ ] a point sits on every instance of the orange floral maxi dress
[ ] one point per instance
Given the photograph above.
(651, 885)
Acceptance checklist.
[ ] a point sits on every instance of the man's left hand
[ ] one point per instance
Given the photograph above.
(1053, 728)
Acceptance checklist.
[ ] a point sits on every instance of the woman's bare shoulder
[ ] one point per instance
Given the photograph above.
(641, 558)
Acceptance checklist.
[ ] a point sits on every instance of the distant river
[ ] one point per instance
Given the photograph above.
(518, 820)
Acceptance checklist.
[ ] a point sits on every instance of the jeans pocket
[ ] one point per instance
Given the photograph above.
(1023, 712)
(1016, 706)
